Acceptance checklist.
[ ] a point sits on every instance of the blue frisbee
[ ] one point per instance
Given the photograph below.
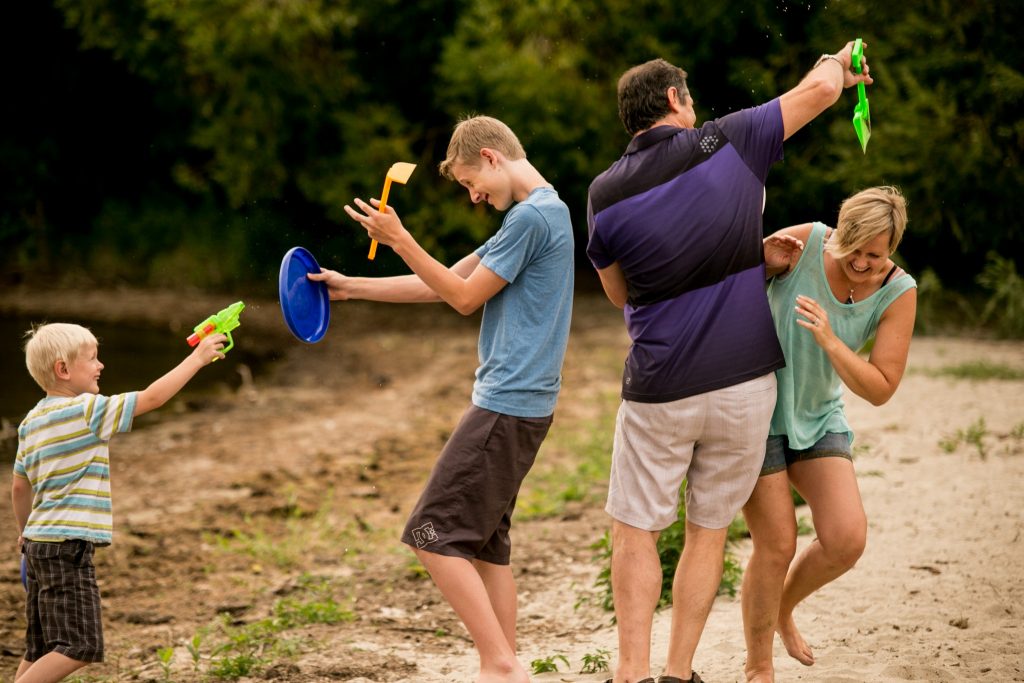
(24, 573)
(305, 303)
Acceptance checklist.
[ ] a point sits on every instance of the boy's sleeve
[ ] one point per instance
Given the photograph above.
(515, 245)
(108, 415)
(19, 462)
(757, 135)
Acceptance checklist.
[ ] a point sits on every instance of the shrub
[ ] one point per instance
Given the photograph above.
(670, 546)
(1004, 310)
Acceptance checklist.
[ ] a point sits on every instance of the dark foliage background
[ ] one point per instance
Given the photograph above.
(174, 142)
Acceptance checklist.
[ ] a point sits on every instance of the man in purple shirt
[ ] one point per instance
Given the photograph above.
(676, 237)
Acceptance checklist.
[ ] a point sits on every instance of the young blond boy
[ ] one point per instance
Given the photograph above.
(61, 490)
(523, 277)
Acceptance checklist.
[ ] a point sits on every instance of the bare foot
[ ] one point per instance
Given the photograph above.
(796, 646)
(513, 675)
(760, 676)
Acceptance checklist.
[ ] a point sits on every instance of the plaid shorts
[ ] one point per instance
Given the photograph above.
(63, 610)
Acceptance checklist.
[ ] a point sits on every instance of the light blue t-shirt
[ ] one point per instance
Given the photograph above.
(525, 326)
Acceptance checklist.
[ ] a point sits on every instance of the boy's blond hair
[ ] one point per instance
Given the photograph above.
(475, 133)
(866, 215)
(50, 343)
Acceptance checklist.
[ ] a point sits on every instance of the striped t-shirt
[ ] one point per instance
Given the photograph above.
(63, 453)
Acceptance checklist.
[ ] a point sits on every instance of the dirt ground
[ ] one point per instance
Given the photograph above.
(288, 491)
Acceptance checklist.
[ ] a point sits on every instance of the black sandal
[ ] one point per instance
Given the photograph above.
(694, 678)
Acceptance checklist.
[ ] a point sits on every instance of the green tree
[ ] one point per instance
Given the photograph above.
(160, 131)
(947, 113)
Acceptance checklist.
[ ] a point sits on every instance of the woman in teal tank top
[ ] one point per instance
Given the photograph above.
(830, 293)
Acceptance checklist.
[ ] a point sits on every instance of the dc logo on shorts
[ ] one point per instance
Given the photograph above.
(424, 535)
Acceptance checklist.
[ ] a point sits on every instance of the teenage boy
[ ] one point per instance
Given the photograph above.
(523, 278)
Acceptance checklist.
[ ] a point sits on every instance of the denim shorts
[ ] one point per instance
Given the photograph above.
(778, 455)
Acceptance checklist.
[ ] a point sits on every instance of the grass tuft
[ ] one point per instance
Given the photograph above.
(979, 370)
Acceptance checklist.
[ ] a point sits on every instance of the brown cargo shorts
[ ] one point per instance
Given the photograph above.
(466, 508)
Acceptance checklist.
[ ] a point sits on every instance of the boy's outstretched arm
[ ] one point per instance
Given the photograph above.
(161, 391)
(400, 289)
(464, 294)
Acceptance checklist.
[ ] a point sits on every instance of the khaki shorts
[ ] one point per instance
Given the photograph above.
(715, 441)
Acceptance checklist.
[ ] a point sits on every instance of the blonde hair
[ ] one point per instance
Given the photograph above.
(50, 343)
(474, 133)
(866, 215)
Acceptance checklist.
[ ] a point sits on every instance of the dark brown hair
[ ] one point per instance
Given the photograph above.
(642, 98)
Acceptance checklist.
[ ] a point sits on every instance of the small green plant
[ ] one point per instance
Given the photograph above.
(1017, 433)
(416, 570)
(291, 613)
(948, 444)
(1004, 309)
(861, 450)
(940, 310)
(596, 662)
(803, 527)
(669, 546)
(287, 537)
(798, 500)
(974, 435)
(233, 667)
(602, 548)
(194, 649)
(249, 648)
(165, 656)
(732, 576)
(547, 664)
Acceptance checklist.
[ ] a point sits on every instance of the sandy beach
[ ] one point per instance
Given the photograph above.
(318, 460)
(938, 594)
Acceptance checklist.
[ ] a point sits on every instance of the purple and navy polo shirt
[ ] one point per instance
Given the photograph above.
(680, 213)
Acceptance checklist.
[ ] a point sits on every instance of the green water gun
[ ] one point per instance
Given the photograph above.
(861, 112)
(221, 323)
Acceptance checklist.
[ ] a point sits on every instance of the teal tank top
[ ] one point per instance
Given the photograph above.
(809, 403)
